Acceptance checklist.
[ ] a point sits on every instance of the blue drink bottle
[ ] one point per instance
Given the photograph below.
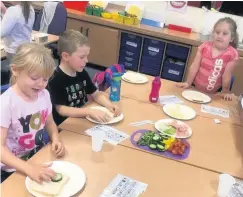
(115, 87)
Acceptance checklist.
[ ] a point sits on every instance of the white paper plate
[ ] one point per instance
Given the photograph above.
(162, 122)
(112, 121)
(75, 183)
(180, 112)
(196, 97)
(133, 77)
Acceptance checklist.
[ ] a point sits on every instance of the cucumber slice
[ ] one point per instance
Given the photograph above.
(170, 131)
(57, 178)
(152, 146)
(156, 137)
(160, 147)
(164, 136)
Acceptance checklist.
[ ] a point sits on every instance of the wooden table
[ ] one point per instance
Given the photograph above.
(163, 176)
(51, 39)
(141, 92)
(217, 147)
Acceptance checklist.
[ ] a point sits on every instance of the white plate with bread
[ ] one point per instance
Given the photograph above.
(196, 97)
(134, 77)
(112, 120)
(70, 181)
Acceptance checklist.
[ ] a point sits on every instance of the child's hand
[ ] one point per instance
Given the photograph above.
(228, 96)
(115, 110)
(183, 85)
(40, 173)
(99, 115)
(58, 148)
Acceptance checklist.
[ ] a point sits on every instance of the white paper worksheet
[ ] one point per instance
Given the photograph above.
(169, 99)
(237, 189)
(123, 186)
(113, 135)
(215, 111)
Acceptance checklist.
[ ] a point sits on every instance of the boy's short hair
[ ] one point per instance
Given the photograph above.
(70, 40)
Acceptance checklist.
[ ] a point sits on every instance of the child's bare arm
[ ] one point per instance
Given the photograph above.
(57, 145)
(8, 158)
(192, 72)
(74, 112)
(51, 128)
(226, 81)
(226, 78)
(101, 99)
(38, 173)
(194, 68)
(83, 112)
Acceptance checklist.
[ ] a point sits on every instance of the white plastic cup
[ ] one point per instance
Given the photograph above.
(97, 140)
(225, 183)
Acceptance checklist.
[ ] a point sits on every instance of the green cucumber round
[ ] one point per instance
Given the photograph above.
(152, 146)
(57, 178)
(160, 148)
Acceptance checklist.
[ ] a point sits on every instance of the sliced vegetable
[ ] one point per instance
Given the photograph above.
(57, 178)
(163, 127)
(170, 131)
(152, 146)
(156, 138)
(160, 147)
(163, 136)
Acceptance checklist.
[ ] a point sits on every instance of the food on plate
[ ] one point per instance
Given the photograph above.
(162, 142)
(51, 188)
(133, 76)
(155, 141)
(57, 178)
(176, 111)
(178, 147)
(175, 128)
(170, 131)
(107, 111)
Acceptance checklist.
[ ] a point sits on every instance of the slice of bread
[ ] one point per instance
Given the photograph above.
(104, 109)
(50, 188)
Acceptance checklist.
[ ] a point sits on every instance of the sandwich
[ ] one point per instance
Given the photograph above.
(51, 188)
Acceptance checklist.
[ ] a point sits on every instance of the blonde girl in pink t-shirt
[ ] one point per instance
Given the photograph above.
(215, 61)
(26, 112)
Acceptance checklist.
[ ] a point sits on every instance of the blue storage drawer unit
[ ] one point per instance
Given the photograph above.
(149, 71)
(150, 63)
(130, 63)
(153, 48)
(176, 51)
(150, 66)
(173, 71)
(130, 42)
(129, 53)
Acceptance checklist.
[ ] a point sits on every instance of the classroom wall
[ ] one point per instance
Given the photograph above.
(194, 17)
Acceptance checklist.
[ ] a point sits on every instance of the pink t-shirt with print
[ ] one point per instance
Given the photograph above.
(209, 76)
(25, 122)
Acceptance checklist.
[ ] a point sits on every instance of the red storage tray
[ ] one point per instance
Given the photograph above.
(179, 28)
(76, 5)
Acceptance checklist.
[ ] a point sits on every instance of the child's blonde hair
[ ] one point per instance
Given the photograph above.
(70, 40)
(233, 30)
(32, 57)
